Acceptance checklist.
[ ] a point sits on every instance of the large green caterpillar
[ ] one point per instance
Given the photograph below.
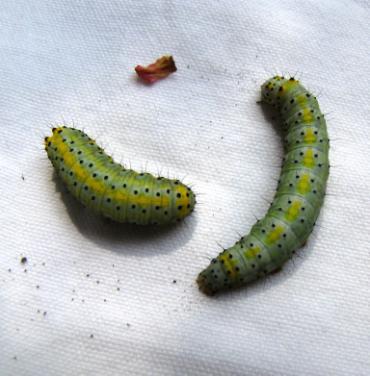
(112, 190)
(297, 202)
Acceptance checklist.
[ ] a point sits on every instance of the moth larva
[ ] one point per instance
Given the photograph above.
(298, 199)
(112, 190)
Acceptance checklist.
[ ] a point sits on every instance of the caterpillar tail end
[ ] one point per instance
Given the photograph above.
(213, 278)
(203, 285)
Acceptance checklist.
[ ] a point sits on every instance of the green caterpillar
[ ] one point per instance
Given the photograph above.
(298, 199)
(109, 189)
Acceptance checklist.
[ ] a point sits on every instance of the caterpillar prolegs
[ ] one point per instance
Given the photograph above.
(111, 190)
(298, 199)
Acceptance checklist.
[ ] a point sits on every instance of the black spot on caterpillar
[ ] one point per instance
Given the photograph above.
(298, 199)
(111, 190)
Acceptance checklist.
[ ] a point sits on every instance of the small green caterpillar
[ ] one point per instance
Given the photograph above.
(298, 199)
(109, 189)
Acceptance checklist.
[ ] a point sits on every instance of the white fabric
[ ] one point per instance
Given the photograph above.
(73, 61)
